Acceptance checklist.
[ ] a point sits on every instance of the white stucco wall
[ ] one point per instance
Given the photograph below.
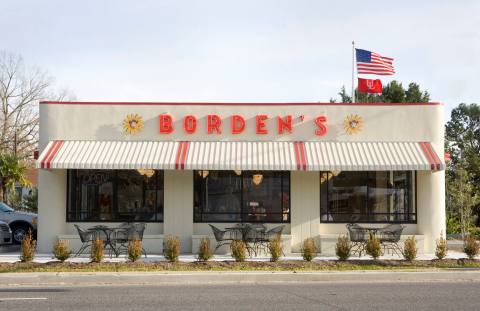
(52, 199)
(103, 122)
(178, 208)
(305, 202)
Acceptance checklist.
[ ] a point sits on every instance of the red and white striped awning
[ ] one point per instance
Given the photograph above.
(220, 155)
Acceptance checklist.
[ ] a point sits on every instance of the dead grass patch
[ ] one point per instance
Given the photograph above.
(293, 265)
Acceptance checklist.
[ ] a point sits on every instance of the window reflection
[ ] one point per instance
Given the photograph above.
(250, 196)
(367, 197)
(114, 195)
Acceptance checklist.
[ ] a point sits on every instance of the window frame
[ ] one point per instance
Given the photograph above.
(242, 213)
(114, 199)
(413, 182)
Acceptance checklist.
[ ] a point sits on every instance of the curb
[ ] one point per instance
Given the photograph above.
(211, 278)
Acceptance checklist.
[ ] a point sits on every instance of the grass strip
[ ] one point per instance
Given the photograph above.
(294, 265)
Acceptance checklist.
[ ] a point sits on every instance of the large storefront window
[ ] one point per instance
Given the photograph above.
(115, 196)
(386, 197)
(241, 196)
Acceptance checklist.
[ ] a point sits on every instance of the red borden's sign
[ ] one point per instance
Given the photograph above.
(236, 124)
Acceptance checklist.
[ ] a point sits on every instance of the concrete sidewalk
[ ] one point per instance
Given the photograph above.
(11, 254)
(211, 278)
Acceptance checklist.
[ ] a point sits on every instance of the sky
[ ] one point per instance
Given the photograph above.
(243, 51)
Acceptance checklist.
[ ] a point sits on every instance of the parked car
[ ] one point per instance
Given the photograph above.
(19, 222)
(5, 233)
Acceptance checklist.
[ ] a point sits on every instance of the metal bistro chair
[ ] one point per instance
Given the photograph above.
(86, 237)
(358, 238)
(223, 237)
(265, 237)
(127, 233)
(390, 236)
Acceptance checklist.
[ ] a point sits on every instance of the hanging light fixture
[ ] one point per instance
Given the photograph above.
(203, 174)
(335, 173)
(324, 177)
(146, 172)
(257, 179)
(238, 172)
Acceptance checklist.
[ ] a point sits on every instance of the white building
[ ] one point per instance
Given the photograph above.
(313, 167)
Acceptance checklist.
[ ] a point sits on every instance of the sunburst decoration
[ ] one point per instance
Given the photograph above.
(353, 124)
(133, 124)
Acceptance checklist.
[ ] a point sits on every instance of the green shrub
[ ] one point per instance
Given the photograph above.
(475, 231)
(28, 248)
(410, 248)
(275, 248)
(61, 250)
(453, 225)
(134, 249)
(309, 249)
(97, 251)
(171, 248)
(204, 250)
(442, 248)
(239, 250)
(343, 248)
(470, 247)
(373, 247)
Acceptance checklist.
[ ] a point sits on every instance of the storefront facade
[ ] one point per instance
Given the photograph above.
(179, 167)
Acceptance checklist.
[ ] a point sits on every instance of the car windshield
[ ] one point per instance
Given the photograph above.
(5, 208)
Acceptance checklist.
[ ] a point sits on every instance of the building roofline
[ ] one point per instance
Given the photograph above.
(232, 103)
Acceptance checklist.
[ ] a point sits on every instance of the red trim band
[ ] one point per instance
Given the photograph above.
(42, 161)
(297, 155)
(301, 146)
(181, 156)
(427, 154)
(300, 155)
(184, 155)
(177, 157)
(233, 104)
(434, 156)
(58, 144)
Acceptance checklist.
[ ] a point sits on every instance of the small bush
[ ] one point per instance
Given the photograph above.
(442, 248)
(309, 249)
(373, 247)
(343, 248)
(475, 231)
(470, 247)
(171, 248)
(275, 248)
(410, 248)
(204, 250)
(97, 251)
(28, 246)
(134, 249)
(61, 250)
(239, 250)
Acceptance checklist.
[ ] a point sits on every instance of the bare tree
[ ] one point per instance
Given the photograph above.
(21, 89)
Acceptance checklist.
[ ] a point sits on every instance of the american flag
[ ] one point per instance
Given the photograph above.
(373, 63)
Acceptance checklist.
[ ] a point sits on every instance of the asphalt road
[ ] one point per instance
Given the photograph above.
(310, 296)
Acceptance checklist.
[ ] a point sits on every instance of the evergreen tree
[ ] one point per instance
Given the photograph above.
(393, 92)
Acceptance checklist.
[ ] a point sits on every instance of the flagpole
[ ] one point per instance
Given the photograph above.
(353, 71)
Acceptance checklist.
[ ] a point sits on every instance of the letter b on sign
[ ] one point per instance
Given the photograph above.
(166, 124)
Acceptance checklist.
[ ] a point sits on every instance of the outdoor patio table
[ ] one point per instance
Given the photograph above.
(244, 229)
(107, 233)
(372, 230)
